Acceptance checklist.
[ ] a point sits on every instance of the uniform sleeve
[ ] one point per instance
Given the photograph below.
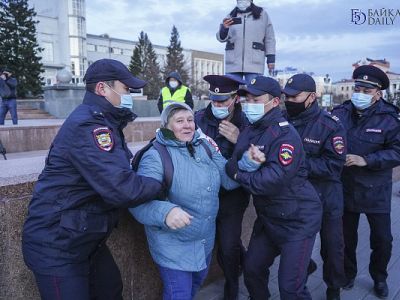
(152, 213)
(188, 98)
(389, 157)
(329, 163)
(220, 161)
(269, 39)
(283, 162)
(160, 102)
(106, 170)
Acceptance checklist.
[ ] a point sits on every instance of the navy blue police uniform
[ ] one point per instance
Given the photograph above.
(74, 208)
(323, 138)
(288, 208)
(232, 204)
(374, 134)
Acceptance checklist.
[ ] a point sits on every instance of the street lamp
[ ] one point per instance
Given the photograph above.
(327, 97)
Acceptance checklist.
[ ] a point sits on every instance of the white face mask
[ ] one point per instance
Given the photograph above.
(173, 83)
(243, 4)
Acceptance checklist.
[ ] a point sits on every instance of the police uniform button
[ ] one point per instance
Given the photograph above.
(209, 189)
(282, 214)
(84, 228)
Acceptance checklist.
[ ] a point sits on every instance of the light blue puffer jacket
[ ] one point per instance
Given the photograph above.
(195, 186)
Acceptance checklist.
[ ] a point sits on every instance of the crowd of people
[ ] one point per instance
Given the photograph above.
(307, 171)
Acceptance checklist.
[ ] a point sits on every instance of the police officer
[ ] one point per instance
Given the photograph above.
(324, 143)
(87, 177)
(288, 208)
(223, 120)
(174, 91)
(373, 134)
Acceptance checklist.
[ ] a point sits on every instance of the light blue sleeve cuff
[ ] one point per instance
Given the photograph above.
(247, 164)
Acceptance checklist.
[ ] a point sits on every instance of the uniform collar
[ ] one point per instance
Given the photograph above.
(119, 116)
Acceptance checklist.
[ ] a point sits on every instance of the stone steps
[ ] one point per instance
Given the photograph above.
(29, 114)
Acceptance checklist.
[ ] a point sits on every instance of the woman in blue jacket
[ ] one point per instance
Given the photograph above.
(181, 230)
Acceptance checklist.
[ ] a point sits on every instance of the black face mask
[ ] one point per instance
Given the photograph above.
(295, 108)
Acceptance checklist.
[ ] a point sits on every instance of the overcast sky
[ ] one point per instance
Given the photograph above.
(312, 35)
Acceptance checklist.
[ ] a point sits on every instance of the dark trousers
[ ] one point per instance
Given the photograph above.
(332, 251)
(231, 252)
(294, 259)
(380, 243)
(102, 283)
(11, 106)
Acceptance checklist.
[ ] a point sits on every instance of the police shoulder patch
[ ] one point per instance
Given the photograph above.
(103, 138)
(286, 153)
(338, 144)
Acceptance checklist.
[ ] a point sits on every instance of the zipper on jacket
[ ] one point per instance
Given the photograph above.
(243, 44)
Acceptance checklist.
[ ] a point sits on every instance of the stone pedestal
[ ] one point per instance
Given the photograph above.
(61, 100)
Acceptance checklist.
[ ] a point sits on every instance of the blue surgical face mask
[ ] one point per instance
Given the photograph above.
(361, 101)
(126, 100)
(253, 111)
(221, 112)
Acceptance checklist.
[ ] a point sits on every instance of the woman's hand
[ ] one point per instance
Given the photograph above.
(227, 22)
(255, 154)
(177, 218)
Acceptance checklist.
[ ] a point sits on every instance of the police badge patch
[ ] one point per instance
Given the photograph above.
(103, 138)
(338, 144)
(286, 154)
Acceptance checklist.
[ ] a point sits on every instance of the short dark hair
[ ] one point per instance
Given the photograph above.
(91, 87)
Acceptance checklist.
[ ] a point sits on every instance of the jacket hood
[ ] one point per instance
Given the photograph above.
(174, 75)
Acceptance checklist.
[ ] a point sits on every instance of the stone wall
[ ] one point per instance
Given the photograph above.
(39, 137)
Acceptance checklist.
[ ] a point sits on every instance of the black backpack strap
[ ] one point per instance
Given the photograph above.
(166, 163)
(139, 154)
(206, 148)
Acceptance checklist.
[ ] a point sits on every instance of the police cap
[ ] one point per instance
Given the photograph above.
(299, 83)
(222, 86)
(262, 85)
(370, 77)
(110, 69)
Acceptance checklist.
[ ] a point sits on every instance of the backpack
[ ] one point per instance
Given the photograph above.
(165, 160)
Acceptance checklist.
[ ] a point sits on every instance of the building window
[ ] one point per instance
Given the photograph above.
(102, 49)
(77, 7)
(48, 52)
(91, 47)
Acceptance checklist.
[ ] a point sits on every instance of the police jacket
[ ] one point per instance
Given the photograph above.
(286, 203)
(375, 135)
(87, 176)
(323, 139)
(209, 125)
(238, 199)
